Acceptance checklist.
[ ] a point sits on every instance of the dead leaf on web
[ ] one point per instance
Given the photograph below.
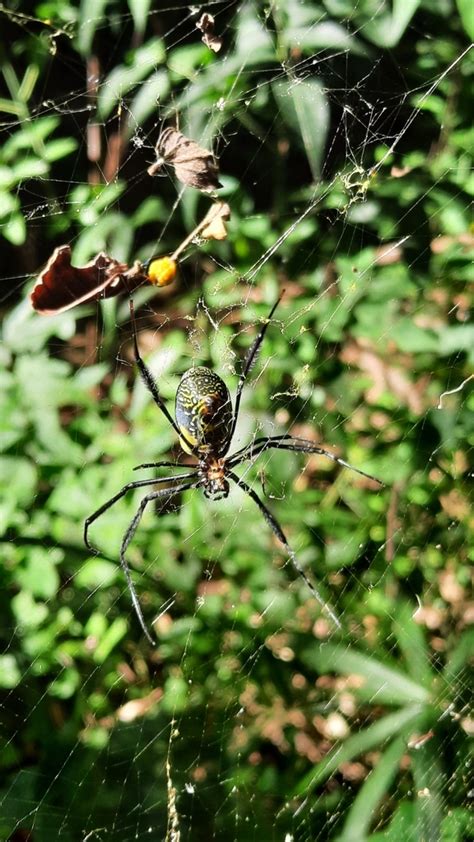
(214, 222)
(194, 166)
(209, 37)
(61, 286)
(400, 172)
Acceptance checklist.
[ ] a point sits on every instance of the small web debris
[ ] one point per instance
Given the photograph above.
(454, 391)
(209, 37)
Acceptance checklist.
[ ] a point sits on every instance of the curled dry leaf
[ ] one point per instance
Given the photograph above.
(417, 741)
(214, 222)
(209, 38)
(400, 172)
(193, 165)
(61, 286)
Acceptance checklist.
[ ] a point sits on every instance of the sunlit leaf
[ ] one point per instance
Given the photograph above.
(305, 109)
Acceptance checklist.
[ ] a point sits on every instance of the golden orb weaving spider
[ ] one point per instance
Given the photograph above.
(205, 424)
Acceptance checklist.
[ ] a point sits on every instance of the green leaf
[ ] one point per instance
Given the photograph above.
(152, 209)
(23, 331)
(28, 613)
(8, 203)
(15, 229)
(28, 82)
(66, 683)
(457, 338)
(38, 574)
(122, 79)
(458, 825)
(466, 13)
(381, 683)
(327, 35)
(151, 94)
(10, 107)
(92, 203)
(30, 168)
(110, 233)
(18, 478)
(413, 339)
(386, 26)
(96, 573)
(91, 17)
(60, 148)
(402, 826)
(10, 675)
(252, 37)
(459, 658)
(38, 130)
(139, 10)
(429, 785)
(375, 788)
(304, 107)
(111, 638)
(6, 181)
(412, 642)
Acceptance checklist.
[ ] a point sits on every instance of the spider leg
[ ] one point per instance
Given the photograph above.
(160, 465)
(254, 448)
(139, 483)
(276, 528)
(150, 384)
(251, 357)
(153, 495)
(296, 445)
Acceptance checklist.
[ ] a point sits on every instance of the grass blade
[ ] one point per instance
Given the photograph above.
(374, 788)
(381, 683)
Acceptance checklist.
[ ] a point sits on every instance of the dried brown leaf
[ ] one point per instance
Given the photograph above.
(194, 166)
(61, 286)
(209, 38)
(217, 216)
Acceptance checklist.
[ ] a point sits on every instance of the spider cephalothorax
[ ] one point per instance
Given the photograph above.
(205, 423)
(214, 483)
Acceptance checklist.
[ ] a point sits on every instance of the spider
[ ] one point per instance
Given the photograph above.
(205, 423)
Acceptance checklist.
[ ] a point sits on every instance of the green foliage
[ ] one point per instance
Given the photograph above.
(345, 142)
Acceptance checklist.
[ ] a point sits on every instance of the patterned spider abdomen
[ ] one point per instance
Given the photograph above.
(204, 411)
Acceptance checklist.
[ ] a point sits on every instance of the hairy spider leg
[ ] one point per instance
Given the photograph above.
(295, 444)
(139, 483)
(151, 385)
(153, 495)
(160, 465)
(277, 530)
(251, 357)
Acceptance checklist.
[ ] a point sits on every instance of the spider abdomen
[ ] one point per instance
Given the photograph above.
(204, 411)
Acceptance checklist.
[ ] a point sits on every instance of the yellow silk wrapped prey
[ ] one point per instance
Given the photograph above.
(162, 271)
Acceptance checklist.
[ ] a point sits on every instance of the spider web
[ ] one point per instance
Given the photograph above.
(344, 164)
